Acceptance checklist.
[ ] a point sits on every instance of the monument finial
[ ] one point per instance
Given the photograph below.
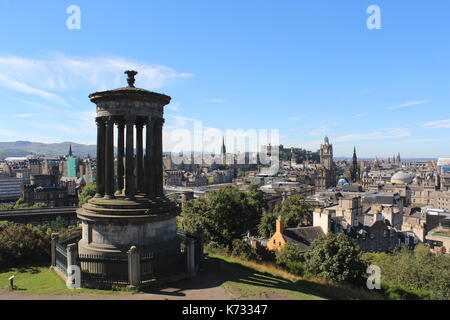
(130, 79)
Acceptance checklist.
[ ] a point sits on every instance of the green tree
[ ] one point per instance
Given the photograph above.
(87, 193)
(291, 259)
(294, 211)
(335, 257)
(416, 270)
(226, 214)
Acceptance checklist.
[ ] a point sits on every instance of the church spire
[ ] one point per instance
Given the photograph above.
(70, 150)
(354, 167)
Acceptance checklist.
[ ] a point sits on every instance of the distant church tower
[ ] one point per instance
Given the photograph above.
(224, 152)
(326, 160)
(399, 161)
(354, 170)
(326, 154)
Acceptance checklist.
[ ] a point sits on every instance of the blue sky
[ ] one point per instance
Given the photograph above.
(307, 68)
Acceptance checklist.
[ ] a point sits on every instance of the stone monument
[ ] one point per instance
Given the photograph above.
(129, 208)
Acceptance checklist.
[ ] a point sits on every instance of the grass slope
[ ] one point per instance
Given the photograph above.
(42, 280)
(244, 279)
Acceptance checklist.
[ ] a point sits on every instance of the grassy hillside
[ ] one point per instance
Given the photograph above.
(243, 279)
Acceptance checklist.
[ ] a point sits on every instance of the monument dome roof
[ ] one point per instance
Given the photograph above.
(401, 177)
(130, 93)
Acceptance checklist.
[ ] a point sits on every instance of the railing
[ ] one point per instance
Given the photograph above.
(147, 261)
(101, 271)
(134, 268)
(61, 257)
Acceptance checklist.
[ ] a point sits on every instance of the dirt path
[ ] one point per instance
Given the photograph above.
(168, 294)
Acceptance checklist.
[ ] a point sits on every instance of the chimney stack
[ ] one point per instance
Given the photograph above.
(279, 225)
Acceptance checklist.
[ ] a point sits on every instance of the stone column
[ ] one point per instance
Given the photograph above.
(157, 159)
(134, 267)
(55, 237)
(72, 252)
(149, 160)
(100, 177)
(130, 189)
(139, 156)
(120, 156)
(190, 256)
(109, 159)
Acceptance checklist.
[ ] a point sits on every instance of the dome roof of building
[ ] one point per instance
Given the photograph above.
(342, 182)
(402, 178)
(443, 162)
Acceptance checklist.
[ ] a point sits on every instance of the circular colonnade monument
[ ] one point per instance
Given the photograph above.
(129, 207)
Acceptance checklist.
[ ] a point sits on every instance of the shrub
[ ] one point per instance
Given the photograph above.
(20, 244)
(414, 273)
(291, 259)
(244, 250)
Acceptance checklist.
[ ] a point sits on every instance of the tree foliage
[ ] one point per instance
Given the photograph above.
(291, 259)
(21, 204)
(417, 269)
(87, 193)
(225, 215)
(335, 257)
(21, 244)
(294, 211)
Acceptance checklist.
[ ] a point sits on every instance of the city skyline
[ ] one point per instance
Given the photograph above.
(324, 72)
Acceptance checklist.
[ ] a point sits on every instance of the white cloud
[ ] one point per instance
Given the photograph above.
(23, 115)
(57, 72)
(216, 100)
(360, 115)
(438, 124)
(295, 118)
(320, 131)
(385, 134)
(410, 104)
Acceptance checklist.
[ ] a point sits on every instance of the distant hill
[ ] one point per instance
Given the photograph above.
(24, 148)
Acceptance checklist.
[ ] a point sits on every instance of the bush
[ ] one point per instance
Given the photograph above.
(244, 250)
(20, 244)
(396, 292)
(291, 259)
(414, 273)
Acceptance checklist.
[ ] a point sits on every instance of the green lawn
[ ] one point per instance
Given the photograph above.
(239, 278)
(42, 280)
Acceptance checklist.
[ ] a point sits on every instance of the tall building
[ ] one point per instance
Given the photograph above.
(354, 169)
(71, 164)
(327, 178)
(224, 152)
